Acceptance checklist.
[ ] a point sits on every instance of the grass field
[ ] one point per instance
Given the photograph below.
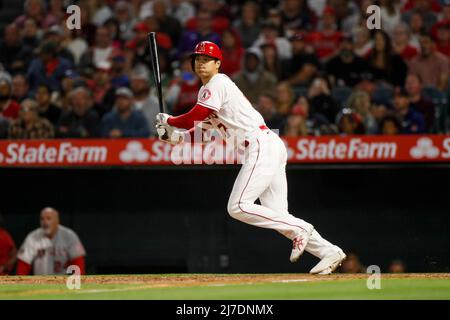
(227, 287)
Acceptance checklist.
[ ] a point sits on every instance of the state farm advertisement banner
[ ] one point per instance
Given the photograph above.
(148, 152)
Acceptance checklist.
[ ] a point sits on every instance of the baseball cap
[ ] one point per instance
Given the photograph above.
(124, 91)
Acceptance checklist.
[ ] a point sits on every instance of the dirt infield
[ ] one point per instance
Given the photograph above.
(208, 279)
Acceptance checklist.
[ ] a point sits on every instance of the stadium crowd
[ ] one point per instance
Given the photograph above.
(310, 67)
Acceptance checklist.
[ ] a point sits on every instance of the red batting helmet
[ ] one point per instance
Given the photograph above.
(206, 48)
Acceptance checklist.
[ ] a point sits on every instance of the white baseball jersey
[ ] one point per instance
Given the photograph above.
(51, 256)
(232, 108)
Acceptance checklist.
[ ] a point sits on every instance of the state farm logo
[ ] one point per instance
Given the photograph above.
(424, 149)
(134, 152)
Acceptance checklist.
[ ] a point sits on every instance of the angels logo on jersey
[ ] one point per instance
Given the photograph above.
(205, 95)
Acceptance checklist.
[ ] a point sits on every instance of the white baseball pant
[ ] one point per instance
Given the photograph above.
(263, 176)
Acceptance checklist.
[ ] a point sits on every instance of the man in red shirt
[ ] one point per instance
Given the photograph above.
(326, 41)
(9, 108)
(8, 251)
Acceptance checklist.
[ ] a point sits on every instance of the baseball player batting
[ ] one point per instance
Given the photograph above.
(263, 175)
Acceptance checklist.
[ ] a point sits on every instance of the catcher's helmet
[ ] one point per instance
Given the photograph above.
(206, 48)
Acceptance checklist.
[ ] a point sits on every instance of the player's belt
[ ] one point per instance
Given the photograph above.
(262, 127)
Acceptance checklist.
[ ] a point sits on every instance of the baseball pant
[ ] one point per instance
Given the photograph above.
(263, 176)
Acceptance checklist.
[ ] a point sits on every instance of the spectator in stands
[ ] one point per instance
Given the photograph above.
(285, 98)
(30, 34)
(70, 80)
(15, 55)
(119, 76)
(233, 53)
(137, 49)
(75, 44)
(51, 248)
(397, 266)
(270, 35)
(248, 24)
(203, 32)
(316, 123)
(56, 11)
(253, 79)
(57, 35)
(296, 15)
(267, 107)
(168, 24)
(444, 15)
(81, 121)
(8, 251)
(182, 10)
(401, 43)
(183, 90)
(390, 15)
(296, 123)
(219, 12)
(442, 38)
(144, 100)
(124, 15)
(327, 38)
(46, 109)
(423, 8)
(101, 12)
(30, 125)
(9, 108)
(271, 61)
(321, 101)
(274, 18)
(349, 122)
(101, 51)
(418, 102)
(417, 27)
(48, 68)
(352, 264)
(35, 9)
(363, 43)
(124, 121)
(384, 64)
(431, 66)
(102, 88)
(19, 87)
(357, 17)
(359, 102)
(303, 66)
(88, 29)
(412, 121)
(390, 125)
(346, 69)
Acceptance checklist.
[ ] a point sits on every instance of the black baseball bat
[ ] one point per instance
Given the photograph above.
(155, 65)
